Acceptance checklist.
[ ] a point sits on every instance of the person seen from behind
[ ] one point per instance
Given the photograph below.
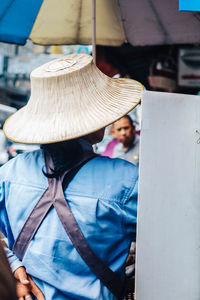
(69, 215)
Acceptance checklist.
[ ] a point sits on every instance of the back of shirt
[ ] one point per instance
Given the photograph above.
(103, 199)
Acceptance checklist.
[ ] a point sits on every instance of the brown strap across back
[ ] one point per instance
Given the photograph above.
(54, 196)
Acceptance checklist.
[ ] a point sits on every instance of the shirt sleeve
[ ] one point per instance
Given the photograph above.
(6, 230)
(130, 209)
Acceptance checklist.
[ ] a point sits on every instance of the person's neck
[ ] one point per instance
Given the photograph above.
(126, 148)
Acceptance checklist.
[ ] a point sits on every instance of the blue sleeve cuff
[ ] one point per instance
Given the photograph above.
(15, 263)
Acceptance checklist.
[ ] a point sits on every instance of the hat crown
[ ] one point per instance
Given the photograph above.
(60, 84)
(63, 65)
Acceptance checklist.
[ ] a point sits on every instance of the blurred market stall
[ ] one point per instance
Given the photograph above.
(140, 22)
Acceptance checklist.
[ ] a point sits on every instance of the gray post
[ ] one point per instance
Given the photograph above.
(94, 30)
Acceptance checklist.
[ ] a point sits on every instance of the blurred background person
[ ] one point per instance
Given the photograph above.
(111, 144)
(128, 146)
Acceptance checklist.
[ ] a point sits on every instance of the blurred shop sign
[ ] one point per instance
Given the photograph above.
(25, 64)
(5, 112)
(189, 68)
(192, 5)
(1, 64)
(83, 49)
(11, 50)
(7, 49)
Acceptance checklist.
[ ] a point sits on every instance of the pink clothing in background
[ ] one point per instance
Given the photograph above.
(110, 147)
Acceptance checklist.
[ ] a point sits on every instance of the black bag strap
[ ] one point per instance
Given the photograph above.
(43, 206)
(54, 195)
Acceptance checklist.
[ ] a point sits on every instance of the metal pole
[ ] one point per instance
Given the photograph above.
(94, 30)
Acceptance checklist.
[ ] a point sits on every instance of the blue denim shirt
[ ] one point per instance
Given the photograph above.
(103, 199)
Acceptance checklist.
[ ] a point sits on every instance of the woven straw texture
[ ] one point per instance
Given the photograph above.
(71, 97)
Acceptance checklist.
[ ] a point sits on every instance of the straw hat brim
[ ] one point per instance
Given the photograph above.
(103, 107)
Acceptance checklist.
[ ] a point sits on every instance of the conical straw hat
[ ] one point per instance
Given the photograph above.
(71, 97)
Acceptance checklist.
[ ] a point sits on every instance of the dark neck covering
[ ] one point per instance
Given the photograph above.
(65, 155)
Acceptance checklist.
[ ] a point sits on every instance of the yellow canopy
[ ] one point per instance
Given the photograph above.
(69, 22)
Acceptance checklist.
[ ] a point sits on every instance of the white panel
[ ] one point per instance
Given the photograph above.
(168, 238)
